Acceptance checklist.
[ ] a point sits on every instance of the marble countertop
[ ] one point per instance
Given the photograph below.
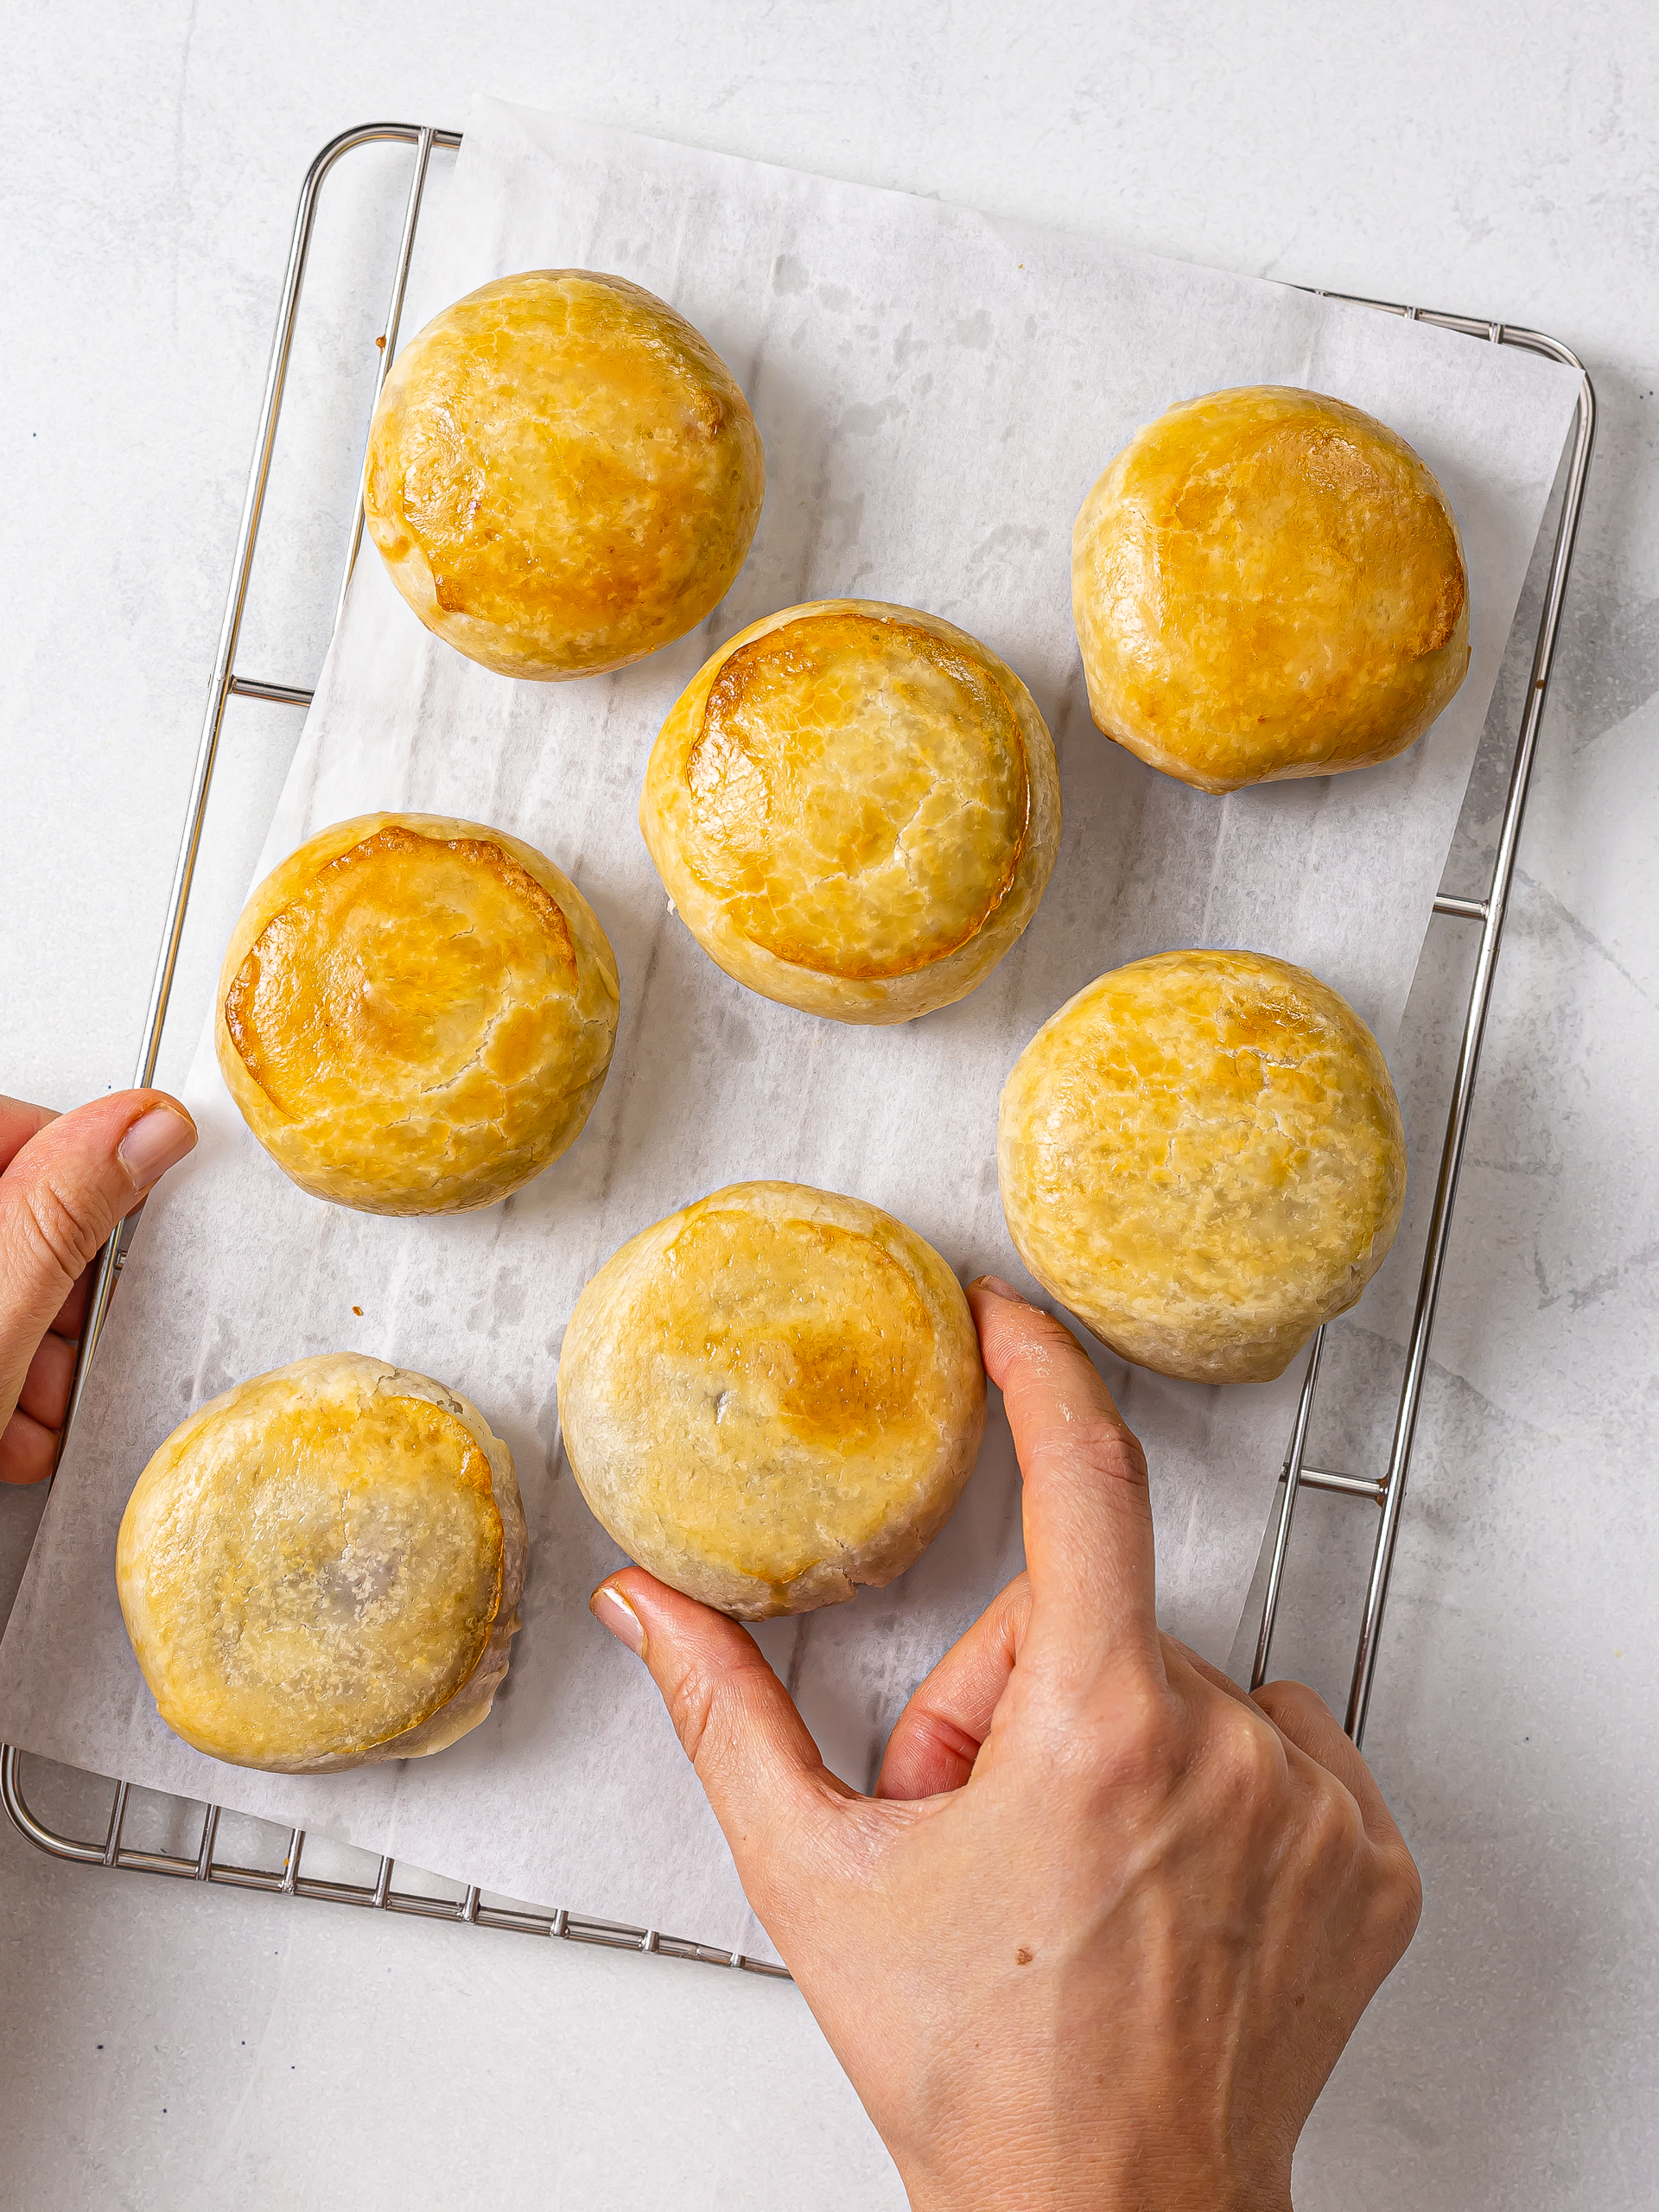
(164, 2049)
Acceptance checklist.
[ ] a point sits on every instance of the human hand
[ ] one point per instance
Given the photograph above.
(1100, 1934)
(65, 1180)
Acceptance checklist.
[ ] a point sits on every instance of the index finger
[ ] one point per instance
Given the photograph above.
(1088, 1512)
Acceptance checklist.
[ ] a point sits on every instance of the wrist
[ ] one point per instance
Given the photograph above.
(1067, 2196)
(1168, 2180)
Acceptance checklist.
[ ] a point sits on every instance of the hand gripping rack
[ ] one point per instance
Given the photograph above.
(1385, 1494)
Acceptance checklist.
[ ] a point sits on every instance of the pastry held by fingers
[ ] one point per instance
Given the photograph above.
(1268, 583)
(856, 808)
(771, 1396)
(322, 1568)
(563, 474)
(1202, 1155)
(416, 1014)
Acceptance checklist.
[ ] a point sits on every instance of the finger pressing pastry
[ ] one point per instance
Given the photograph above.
(854, 808)
(1202, 1155)
(416, 1014)
(771, 1396)
(323, 1568)
(563, 474)
(1268, 583)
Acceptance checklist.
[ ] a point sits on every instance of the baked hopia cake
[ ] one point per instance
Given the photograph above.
(1268, 583)
(563, 474)
(772, 1397)
(854, 808)
(322, 1568)
(1201, 1154)
(415, 1013)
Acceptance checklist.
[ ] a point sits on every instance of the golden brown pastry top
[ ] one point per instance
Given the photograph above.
(563, 474)
(772, 1395)
(315, 1565)
(1268, 583)
(856, 807)
(1202, 1155)
(415, 1013)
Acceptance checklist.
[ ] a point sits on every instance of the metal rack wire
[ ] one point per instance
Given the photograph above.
(287, 1880)
(1385, 1494)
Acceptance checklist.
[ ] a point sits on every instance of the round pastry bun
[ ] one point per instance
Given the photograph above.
(563, 474)
(322, 1568)
(854, 808)
(1202, 1155)
(1268, 583)
(416, 1014)
(772, 1397)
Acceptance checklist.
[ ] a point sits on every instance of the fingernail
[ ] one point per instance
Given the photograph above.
(611, 1610)
(997, 1288)
(156, 1142)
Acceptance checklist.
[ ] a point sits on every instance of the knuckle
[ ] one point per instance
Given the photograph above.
(63, 1228)
(1246, 1756)
(1126, 1741)
(1144, 1745)
(708, 1703)
(1096, 1451)
(690, 1700)
(1105, 1447)
(1391, 1906)
(1337, 1829)
(1403, 1887)
(1292, 1703)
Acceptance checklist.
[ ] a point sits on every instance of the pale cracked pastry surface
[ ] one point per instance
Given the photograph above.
(1268, 583)
(771, 1396)
(415, 1013)
(323, 1567)
(854, 808)
(1201, 1154)
(563, 474)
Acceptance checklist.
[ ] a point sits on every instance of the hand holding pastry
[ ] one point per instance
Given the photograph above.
(66, 1179)
(1105, 1927)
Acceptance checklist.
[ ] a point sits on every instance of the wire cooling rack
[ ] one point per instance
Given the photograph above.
(1383, 1494)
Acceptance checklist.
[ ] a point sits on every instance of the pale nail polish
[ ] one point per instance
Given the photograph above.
(156, 1142)
(611, 1610)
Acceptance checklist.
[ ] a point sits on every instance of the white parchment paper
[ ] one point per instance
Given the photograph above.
(937, 393)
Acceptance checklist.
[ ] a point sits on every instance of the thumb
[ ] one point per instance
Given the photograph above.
(764, 1779)
(62, 1195)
